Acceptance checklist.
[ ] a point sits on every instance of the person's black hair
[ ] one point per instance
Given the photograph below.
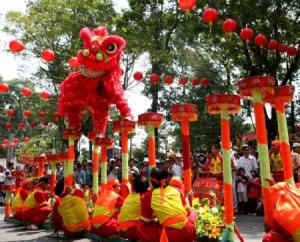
(241, 169)
(217, 146)
(158, 174)
(255, 172)
(59, 188)
(140, 184)
(44, 179)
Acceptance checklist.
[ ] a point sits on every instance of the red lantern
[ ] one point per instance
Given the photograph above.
(12, 145)
(41, 114)
(292, 51)
(260, 40)
(33, 124)
(27, 114)
(4, 88)
(229, 26)
(246, 34)
(8, 125)
(5, 141)
(195, 82)
(186, 5)
(3, 146)
(26, 92)
(282, 48)
(44, 94)
(73, 62)
(55, 121)
(22, 125)
(210, 15)
(26, 139)
(10, 112)
(138, 76)
(16, 140)
(48, 55)
(169, 80)
(56, 115)
(45, 123)
(154, 78)
(16, 46)
(273, 45)
(183, 80)
(204, 82)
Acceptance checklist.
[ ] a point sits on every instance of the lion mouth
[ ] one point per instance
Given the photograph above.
(88, 72)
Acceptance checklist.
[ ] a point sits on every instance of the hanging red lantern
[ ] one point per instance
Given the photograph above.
(210, 15)
(273, 45)
(183, 80)
(229, 26)
(12, 145)
(154, 78)
(204, 82)
(3, 146)
(5, 141)
(55, 121)
(138, 76)
(16, 46)
(48, 55)
(195, 82)
(45, 123)
(56, 115)
(44, 95)
(33, 124)
(73, 62)
(260, 40)
(16, 140)
(41, 114)
(27, 114)
(8, 125)
(22, 125)
(169, 80)
(26, 92)
(292, 51)
(282, 48)
(10, 112)
(187, 5)
(26, 139)
(246, 34)
(4, 88)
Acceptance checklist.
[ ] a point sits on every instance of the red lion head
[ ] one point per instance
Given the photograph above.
(102, 52)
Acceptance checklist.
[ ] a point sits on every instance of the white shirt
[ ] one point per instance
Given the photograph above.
(248, 164)
(176, 170)
(2, 177)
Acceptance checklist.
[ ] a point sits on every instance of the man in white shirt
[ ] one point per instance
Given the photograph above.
(247, 161)
(176, 168)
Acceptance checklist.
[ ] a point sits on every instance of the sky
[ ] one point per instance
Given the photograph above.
(10, 64)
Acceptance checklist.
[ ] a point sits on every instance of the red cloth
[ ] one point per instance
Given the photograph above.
(18, 216)
(37, 216)
(78, 193)
(147, 211)
(150, 232)
(40, 196)
(107, 229)
(254, 188)
(131, 233)
(23, 193)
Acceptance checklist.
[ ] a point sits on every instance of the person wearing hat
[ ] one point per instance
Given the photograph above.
(36, 207)
(106, 209)
(276, 161)
(130, 214)
(166, 203)
(295, 154)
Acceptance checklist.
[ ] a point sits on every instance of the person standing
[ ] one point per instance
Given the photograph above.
(80, 175)
(176, 168)
(296, 160)
(247, 161)
(276, 161)
(214, 165)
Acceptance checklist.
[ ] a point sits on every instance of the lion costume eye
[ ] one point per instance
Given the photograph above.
(111, 48)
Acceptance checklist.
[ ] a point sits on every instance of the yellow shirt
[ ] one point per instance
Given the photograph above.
(276, 162)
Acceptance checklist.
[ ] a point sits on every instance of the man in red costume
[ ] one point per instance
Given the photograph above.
(173, 222)
(36, 207)
(214, 165)
(106, 210)
(70, 212)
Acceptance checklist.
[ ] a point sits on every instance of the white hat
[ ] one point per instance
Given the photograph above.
(178, 155)
(295, 145)
(245, 146)
(146, 159)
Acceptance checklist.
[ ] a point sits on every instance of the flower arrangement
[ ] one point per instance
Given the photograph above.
(210, 220)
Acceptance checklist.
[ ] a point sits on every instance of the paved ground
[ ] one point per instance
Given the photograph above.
(250, 226)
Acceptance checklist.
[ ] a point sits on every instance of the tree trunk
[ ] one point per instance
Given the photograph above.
(271, 125)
